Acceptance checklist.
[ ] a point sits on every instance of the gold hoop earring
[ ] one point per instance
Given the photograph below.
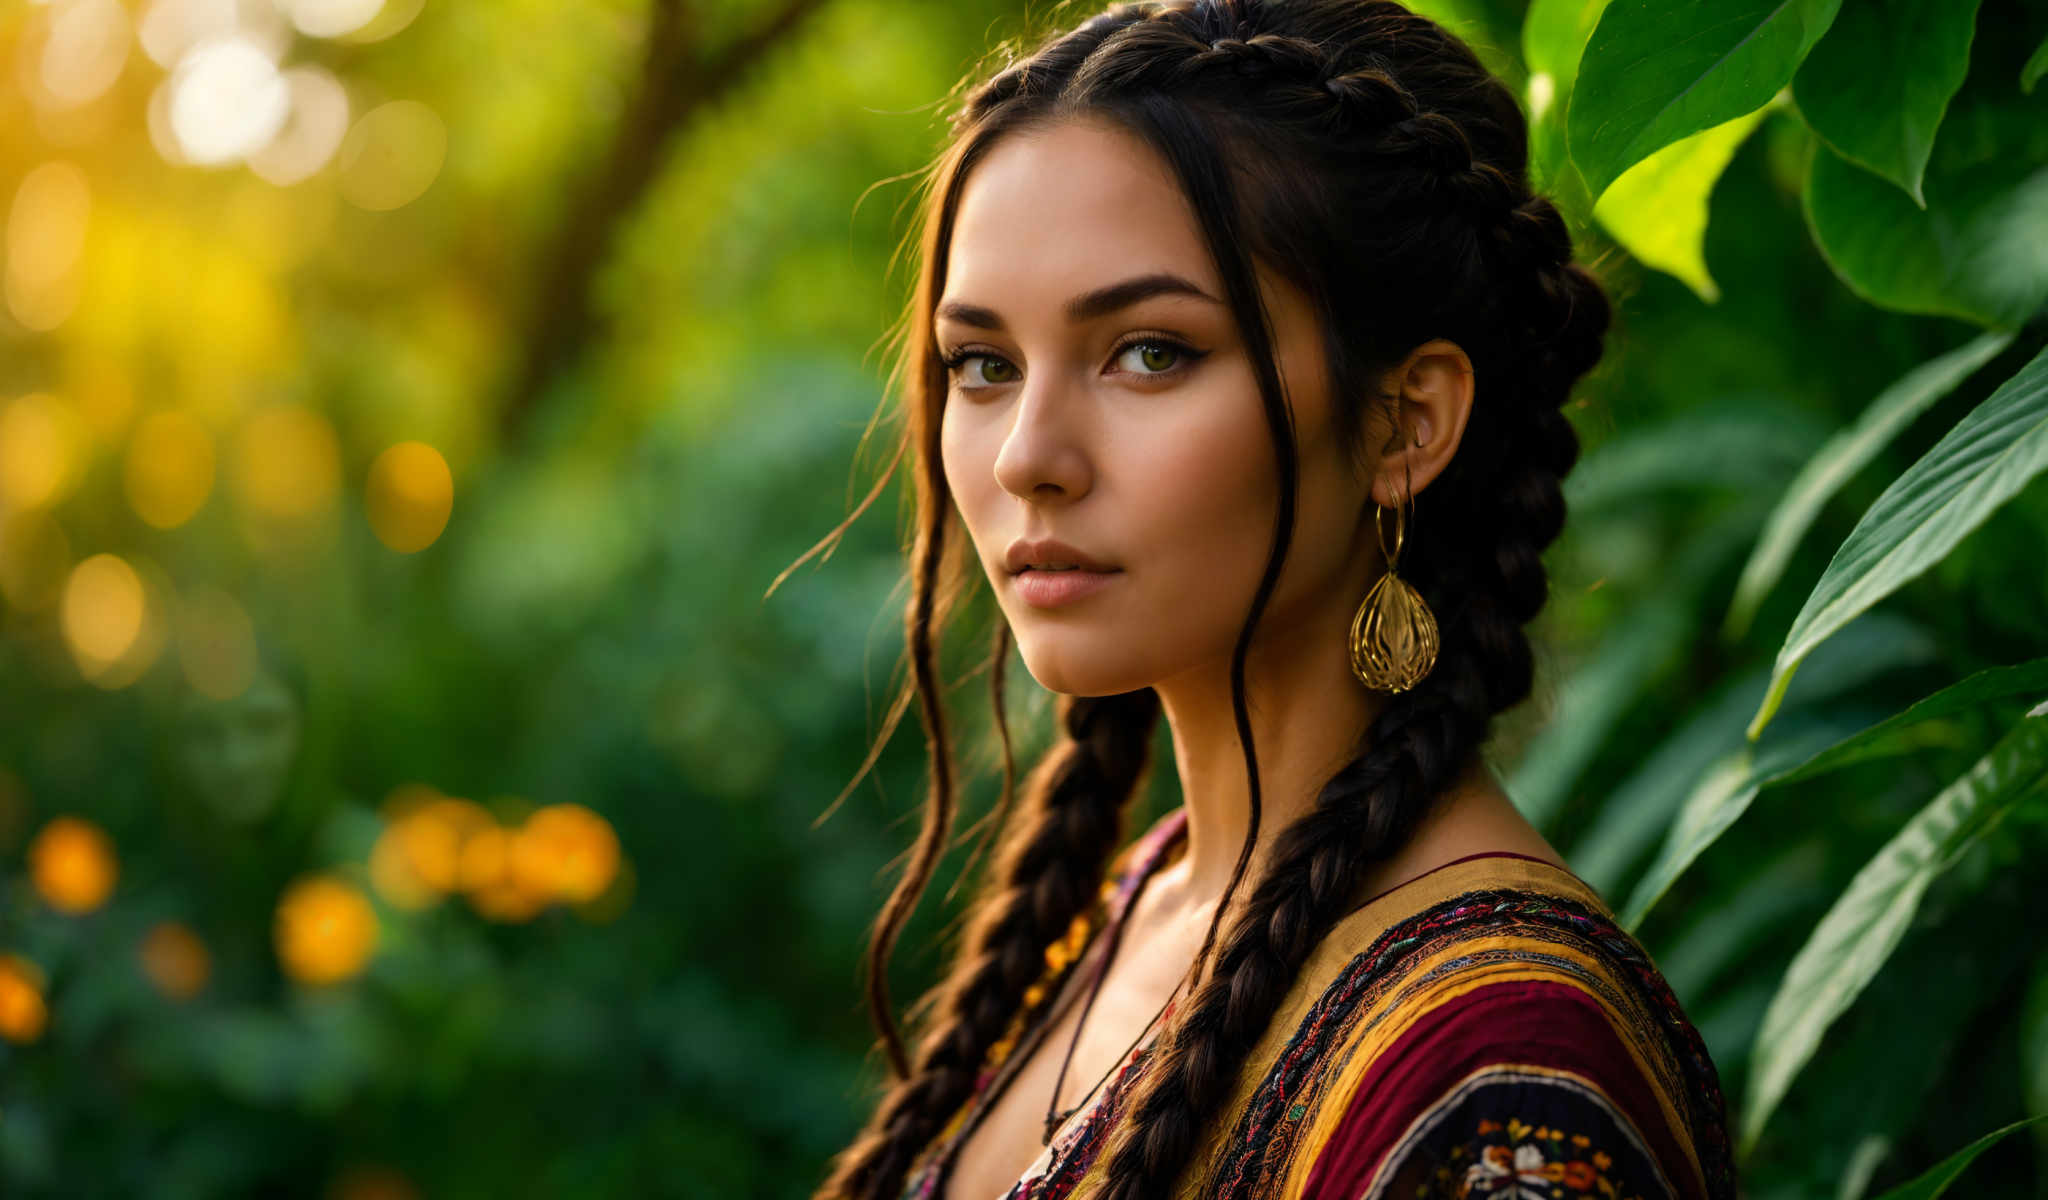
(1393, 636)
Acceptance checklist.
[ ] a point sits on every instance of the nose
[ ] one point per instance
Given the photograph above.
(1044, 455)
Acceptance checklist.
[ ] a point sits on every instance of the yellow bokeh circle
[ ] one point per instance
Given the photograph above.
(325, 929)
(105, 607)
(409, 496)
(72, 864)
(287, 463)
(565, 852)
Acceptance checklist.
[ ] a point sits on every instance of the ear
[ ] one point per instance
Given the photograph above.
(1433, 390)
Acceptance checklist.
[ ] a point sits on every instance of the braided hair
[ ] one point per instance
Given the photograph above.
(1362, 152)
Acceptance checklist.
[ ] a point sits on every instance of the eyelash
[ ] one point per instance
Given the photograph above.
(1188, 357)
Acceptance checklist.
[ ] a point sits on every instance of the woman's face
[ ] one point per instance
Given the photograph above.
(1129, 425)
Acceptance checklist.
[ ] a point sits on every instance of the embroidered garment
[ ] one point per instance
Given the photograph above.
(1484, 1029)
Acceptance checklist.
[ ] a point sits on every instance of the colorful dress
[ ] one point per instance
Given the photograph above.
(1484, 1029)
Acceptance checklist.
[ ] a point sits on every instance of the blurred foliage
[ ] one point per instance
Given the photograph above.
(405, 789)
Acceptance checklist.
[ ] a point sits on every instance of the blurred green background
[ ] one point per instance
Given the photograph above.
(409, 788)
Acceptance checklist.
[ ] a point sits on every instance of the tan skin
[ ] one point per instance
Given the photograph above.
(1137, 436)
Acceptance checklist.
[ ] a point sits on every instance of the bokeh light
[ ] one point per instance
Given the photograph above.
(72, 864)
(43, 443)
(170, 28)
(169, 469)
(330, 18)
(107, 620)
(392, 155)
(22, 1011)
(312, 131)
(46, 227)
(409, 496)
(216, 644)
(227, 101)
(83, 53)
(175, 960)
(325, 929)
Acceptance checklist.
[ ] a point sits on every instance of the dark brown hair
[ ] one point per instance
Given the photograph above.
(1364, 154)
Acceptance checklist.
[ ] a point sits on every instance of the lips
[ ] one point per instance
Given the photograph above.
(1041, 554)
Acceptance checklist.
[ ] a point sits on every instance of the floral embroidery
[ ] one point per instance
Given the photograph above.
(1517, 1161)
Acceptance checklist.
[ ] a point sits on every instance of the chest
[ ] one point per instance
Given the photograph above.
(1006, 1138)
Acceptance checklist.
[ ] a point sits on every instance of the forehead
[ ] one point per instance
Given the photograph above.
(1053, 211)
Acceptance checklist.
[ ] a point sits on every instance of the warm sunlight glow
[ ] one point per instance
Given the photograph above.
(409, 496)
(287, 467)
(72, 864)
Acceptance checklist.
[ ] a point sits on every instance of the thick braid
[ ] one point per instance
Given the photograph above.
(1050, 867)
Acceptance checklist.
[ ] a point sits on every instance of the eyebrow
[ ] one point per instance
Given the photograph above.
(1088, 305)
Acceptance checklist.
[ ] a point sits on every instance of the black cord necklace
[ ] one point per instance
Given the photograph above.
(1053, 1118)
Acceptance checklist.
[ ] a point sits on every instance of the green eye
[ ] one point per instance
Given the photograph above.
(1000, 367)
(1150, 350)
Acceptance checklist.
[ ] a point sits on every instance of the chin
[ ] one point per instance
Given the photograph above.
(1077, 671)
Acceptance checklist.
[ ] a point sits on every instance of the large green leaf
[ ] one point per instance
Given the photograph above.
(1936, 1179)
(1744, 446)
(1895, 734)
(1877, 85)
(1657, 210)
(1991, 454)
(1840, 459)
(1976, 252)
(1851, 943)
(1655, 72)
(1554, 35)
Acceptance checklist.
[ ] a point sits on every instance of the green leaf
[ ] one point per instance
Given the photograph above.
(1977, 256)
(1554, 35)
(1980, 464)
(2036, 67)
(1876, 87)
(1840, 459)
(1744, 446)
(1654, 72)
(1851, 943)
(1936, 1180)
(1890, 736)
(1657, 210)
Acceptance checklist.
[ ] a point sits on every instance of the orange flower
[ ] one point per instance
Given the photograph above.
(1580, 1176)
(22, 1014)
(325, 929)
(175, 960)
(72, 862)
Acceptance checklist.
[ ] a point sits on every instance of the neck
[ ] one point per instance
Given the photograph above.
(1308, 713)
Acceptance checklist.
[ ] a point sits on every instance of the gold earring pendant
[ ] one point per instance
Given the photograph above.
(1394, 636)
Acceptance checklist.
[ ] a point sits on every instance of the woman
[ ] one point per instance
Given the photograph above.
(1212, 292)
